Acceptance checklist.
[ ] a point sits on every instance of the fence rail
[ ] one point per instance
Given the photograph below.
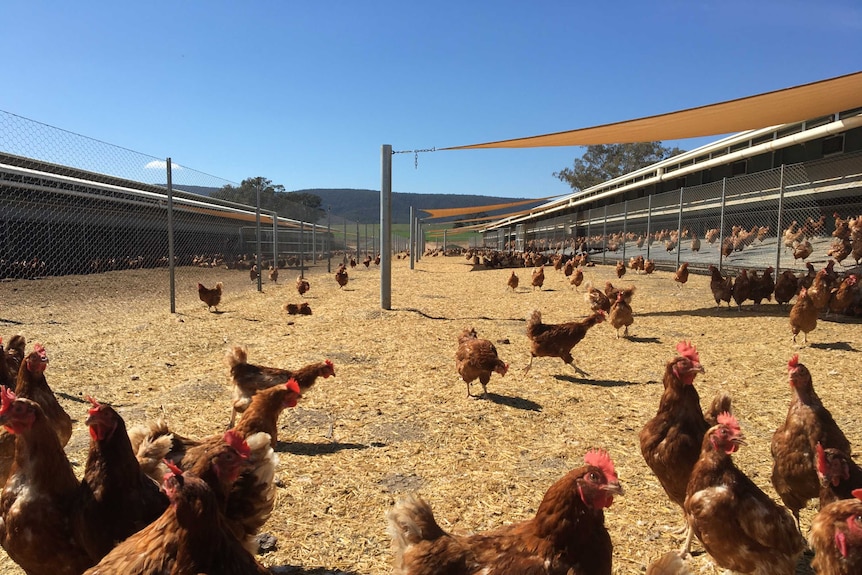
(759, 219)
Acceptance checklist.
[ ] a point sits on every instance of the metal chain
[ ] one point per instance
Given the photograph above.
(415, 154)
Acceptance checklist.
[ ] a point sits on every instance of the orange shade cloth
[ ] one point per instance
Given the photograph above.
(784, 106)
(449, 212)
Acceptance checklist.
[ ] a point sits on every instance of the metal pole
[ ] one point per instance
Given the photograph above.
(259, 255)
(589, 223)
(386, 227)
(679, 229)
(778, 229)
(444, 242)
(275, 240)
(357, 241)
(412, 249)
(605, 236)
(313, 243)
(625, 227)
(344, 258)
(171, 265)
(648, 222)
(329, 240)
(301, 249)
(721, 224)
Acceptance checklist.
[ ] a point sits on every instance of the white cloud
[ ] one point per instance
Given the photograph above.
(161, 165)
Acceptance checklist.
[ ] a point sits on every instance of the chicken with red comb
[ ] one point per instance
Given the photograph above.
(836, 537)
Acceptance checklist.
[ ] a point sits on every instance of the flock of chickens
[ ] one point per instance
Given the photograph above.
(150, 500)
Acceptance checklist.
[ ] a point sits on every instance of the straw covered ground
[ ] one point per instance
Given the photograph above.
(396, 418)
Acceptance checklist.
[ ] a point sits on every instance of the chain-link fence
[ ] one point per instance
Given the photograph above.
(783, 217)
(75, 205)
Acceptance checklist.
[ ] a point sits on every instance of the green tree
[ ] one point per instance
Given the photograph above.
(293, 205)
(603, 162)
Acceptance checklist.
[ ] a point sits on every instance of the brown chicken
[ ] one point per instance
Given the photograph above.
(557, 340)
(671, 441)
(741, 288)
(839, 475)
(248, 378)
(681, 275)
(252, 273)
(341, 276)
(273, 274)
(596, 298)
(836, 537)
(802, 250)
(621, 269)
(190, 537)
(302, 285)
(621, 315)
(115, 498)
(36, 502)
(567, 536)
(537, 278)
(762, 286)
(844, 295)
(211, 297)
(649, 267)
(803, 315)
(265, 408)
(31, 384)
(297, 308)
(10, 360)
(794, 443)
(820, 290)
(785, 287)
(577, 278)
(668, 564)
(569, 268)
(367, 261)
(738, 524)
(512, 282)
(477, 358)
(721, 287)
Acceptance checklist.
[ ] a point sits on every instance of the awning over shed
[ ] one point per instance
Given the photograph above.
(772, 108)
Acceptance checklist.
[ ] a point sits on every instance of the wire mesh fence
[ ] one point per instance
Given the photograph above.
(73, 205)
(783, 217)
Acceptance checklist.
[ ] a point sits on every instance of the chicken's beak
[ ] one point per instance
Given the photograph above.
(614, 489)
(739, 440)
(698, 367)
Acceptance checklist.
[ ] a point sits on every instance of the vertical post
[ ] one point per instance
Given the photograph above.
(444, 241)
(329, 240)
(171, 264)
(625, 227)
(648, 222)
(357, 241)
(412, 249)
(344, 258)
(779, 224)
(386, 227)
(259, 255)
(679, 229)
(313, 243)
(275, 240)
(721, 222)
(589, 223)
(301, 249)
(605, 236)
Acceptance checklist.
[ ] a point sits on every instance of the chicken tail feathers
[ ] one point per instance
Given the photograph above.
(534, 321)
(721, 403)
(409, 522)
(668, 564)
(236, 356)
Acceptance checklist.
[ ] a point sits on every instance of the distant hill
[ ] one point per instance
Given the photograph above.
(363, 206)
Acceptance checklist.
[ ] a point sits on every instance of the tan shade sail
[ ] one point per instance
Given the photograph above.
(785, 106)
(449, 212)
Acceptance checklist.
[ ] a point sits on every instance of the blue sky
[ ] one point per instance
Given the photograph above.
(305, 93)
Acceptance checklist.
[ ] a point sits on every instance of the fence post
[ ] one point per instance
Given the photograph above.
(778, 230)
(648, 224)
(329, 240)
(259, 255)
(625, 227)
(313, 243)
(605, 236)
(301, 249)
(357, 241)
(721, 222)
(275, 240)
(386, 227)
(679, 229)
(171, 264)
(589, 223)
(412, 249)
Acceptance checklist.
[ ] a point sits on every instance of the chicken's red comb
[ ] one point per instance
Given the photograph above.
(40, 349)
(236, 441)
(821, 459)
(7, 396)
(95, 405)
(685, 349)
(728, 420)
(292, 385)
(793, 363)
(174, 469)
(857, 493)
(600, 458)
